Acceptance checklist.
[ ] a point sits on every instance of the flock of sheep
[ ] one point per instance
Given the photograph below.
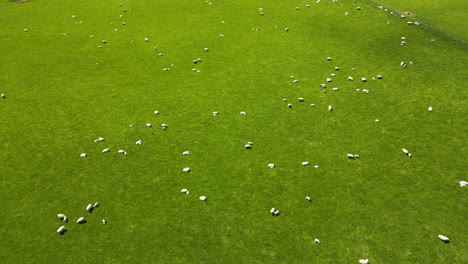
(249, 145)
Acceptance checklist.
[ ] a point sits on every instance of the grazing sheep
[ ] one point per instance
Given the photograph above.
(123, 23)
(295, 81)
(409, 155)
(350, 156)
(329, 58)
(250, 143)
(215, 113)
(300, 99)
(186, 153)
(186, 169)
(350, 78)
(337, 68)
(290, 105)
(305, 163)
(358, 8)
(202, 198)
(139, 142)
(286, 29)
(105, 150)
(403, 43)
(405, 151)
(317, 241)
(429, 109)
(3, 96)
(147, 39)
(444, 238)
(402, 64)
(332, 75)
(335, 89)
(409, 23)
(248, 146)
(61, 229)
(272, 210)
(164, 126)
(271, 165)
(81, 220)
(364, 79)
(121, 151)
(156, 112)
(242, 113)
(356, 156)
(323, 85)
(83, 155)
(316, 166)
(149, 125)
(330, 108)
(184, 190)
(377, 120)
(104, 221)
(206, 49)
(329, 80)
(308, 198)
(96, 204)
(297, 8)
(363, 261)
(379, 77)
(104, 41)
(463, 183)
(365, 90)
(89, 208)
(61, 216)
(276, 213)
(313, 105)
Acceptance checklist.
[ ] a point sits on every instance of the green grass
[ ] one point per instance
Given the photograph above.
(384, 206)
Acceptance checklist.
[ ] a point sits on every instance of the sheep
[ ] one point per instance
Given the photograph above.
(316, 166)
(350, 78)
(305, 163)
(308, 198)
(358, 8)
(308, 6)
(329, 80)
(248, 146)
(329, 59)
(146, 39)
(276, 213)
(164, 126)
(184, 190)
(206, 49)
(402, 43)
(81, 220)
(104, 221)
(295, 81)
(139, 142)
(402, 64)
(96, 204)
(330, 108)
(323, 86)
(123, 23)
(104, 41)
(297, 8)
(202, 198)
(186, 169)
(463, 183)
(156, 112)
(272, 210)
(83, 155)
(429, 109)
(3, 96)
(290, 105)
(250, 143)
(89, 208)
(444, 238)
(300, 99)
(313, 105)
(149, 125)
(356, 156)
(186, 153)
(25, 30)
(121, 151)
(286, 29)
(285, 100)
(332, 75)
(379, 77)
(105, 150)
(364, 79)
(215, 113)
(350, 156)
(271, 165)
(405, 151)
(242, 113)
(337, 68)
(61, 229)
(222, 35)
(317, 241)
(376, 120)
(409, 23)
(363, 261)
(160, 54)
(335, 89)
(409, 155)
(365, 90)
(417, 23)
(61, 216)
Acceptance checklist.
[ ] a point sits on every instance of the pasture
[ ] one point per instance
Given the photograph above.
(64, 88)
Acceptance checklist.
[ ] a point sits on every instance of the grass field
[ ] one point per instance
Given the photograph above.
(63, 91)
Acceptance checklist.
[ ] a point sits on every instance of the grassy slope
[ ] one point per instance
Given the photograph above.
(384, 206)
(449, 16)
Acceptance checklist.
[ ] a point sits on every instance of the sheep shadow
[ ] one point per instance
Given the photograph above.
(63, 232)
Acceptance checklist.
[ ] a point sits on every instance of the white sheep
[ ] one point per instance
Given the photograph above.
(83, 155)
(149, 125)
(305, 163)
(206, 49)
(164, 126)
(104, 221)
(377, 120)
(61, 229)
(215, 113)
(89, 208)
(323, 85)
(443, 238)
(350, 156)
(329, 59)
(317, 241)
(295, 81)
(308, 198)
(332, 74)
(379, 77)
(290, 105)
(335, 89)
(272, 210)
(276, 213)
(330, 108)
(365, 90)
(61, 216)
(337, 68)
(81, 220)
(105, 150)
(300, 99)
(96, 204)
(463, 183)
(313, 105)
(242, 113)
(139, 142)
(364, 79)
(329, 80)
(271, 165)
(350, 78)
(363, 261)
(356, 156)
(248, 146)
(156, 112)
(429, 109)
(316, 166)
(405, 151)
(186, 153)
(121, 151)
(186, 169)
(184, 190)
(147, 39)
(202, 198)
(3, 96)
